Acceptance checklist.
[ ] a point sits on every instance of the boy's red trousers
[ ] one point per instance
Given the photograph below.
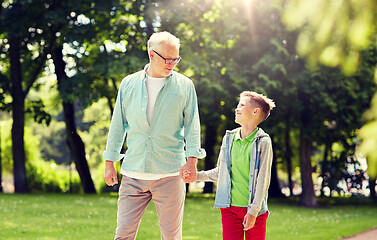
(232, 219)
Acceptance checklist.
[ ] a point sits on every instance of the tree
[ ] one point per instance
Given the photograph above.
(109, 53)
(65, 24)
(103, 55)
(306, 97)
(75, 143)
(341, 31)
(1, 170)
(24, 70)
(4, 89)
(35, 28)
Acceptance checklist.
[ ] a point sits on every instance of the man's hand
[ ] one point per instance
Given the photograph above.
(248, 221)
(188, 172)
(110, 174)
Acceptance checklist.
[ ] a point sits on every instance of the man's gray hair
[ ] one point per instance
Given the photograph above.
(158, 38)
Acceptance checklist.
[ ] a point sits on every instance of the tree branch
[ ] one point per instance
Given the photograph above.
(42, 61)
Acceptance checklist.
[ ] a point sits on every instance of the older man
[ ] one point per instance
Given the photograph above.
(156, 108)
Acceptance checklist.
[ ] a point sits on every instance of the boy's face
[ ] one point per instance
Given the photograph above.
(245, 111)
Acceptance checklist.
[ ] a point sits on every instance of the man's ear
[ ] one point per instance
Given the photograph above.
(256, 110)
(151, 54)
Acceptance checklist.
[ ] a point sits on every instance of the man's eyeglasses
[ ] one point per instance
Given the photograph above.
(169, 60)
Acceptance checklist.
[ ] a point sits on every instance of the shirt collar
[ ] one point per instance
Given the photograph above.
(147, 66)
(249, 138)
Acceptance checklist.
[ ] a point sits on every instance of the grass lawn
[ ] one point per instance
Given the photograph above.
(53, 216)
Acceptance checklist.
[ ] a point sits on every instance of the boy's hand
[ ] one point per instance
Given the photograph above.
(248, 221)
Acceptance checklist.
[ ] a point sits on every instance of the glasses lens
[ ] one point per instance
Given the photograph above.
(174, 61)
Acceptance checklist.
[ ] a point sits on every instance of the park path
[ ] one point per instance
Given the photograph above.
(368, 235)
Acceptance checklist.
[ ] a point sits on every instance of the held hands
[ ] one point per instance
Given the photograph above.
(110, 174)
(188, 172)
(187, 176)
(248, 221)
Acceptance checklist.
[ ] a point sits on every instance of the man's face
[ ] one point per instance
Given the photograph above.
(160, 68)
(245, 111)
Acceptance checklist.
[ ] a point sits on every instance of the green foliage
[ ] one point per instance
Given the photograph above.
(105, 50)
(31, 146)
(333, 32)
(95, 140)
(37, 109)
(42, 176)
(6, 146)
(48, 177)
(341, 30)
(368, 135)
(53, 142)
(244, 45)
(95, 137)
(227, 47)
(4, 91)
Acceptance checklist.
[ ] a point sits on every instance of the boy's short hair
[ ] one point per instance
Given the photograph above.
(265, 103)
(158, 38)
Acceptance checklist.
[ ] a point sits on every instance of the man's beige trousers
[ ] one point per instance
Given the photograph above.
(168, 195)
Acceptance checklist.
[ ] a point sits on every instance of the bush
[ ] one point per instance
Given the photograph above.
(45, 176)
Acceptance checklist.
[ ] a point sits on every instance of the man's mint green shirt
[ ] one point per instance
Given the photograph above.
(173, 133)
(240, 168)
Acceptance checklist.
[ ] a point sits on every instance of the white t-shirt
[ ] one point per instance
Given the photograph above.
(153, 88)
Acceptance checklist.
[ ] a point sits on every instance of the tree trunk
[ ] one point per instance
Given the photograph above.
(75, 143)
(372, 188)
(288, 152)
(324, 169)
(308, 198)
(1, 177)
(209, 144)
(110, 104)
(274, 190)
(109, 98)
(18, 105)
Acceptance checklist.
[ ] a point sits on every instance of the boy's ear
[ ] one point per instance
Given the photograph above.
(256, 110)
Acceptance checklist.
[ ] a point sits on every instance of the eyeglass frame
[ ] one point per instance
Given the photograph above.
(169, 60)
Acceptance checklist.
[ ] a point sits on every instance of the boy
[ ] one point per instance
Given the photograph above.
(243, 171)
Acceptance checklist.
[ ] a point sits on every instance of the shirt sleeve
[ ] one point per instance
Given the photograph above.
(264, 177)
(213, 174)
(117, 131)
(192, 125)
